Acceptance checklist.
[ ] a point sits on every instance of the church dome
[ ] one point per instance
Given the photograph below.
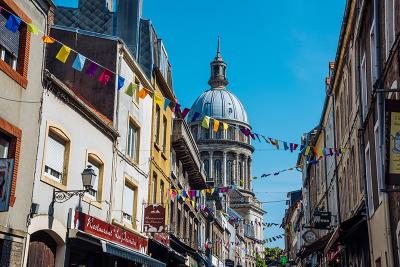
(219, 103)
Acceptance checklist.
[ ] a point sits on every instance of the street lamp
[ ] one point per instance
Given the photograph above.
(88, 179)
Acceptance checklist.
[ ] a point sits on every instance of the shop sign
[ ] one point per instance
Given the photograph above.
(6, 176)
(101, 229)
(322, 219)
(162, 238)
(393, 142)
(154, 219)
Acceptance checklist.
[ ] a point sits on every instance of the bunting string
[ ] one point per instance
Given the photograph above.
(14, 22)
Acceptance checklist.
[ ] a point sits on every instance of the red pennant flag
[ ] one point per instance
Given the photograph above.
(105, 77)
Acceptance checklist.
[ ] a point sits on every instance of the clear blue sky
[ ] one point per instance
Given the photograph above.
(277, 54)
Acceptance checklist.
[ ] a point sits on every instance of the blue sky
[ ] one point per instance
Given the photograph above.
(277, 54)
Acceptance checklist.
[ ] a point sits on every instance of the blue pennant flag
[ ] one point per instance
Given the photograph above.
(79, 62)
(13, 23)
(195, 116)
(166, 103)
(121, 82)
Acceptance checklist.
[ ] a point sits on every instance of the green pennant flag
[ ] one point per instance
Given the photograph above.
(130, 90)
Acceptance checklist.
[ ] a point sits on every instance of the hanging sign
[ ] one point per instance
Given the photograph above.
(154, 219)
(6, 175)
(393, 142)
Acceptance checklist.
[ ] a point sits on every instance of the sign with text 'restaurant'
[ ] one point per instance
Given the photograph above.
(154, 219)
(99, 228)
(393, 142)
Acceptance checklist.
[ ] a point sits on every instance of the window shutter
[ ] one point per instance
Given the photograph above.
(55, 154)
(129, 196)
(9, 40)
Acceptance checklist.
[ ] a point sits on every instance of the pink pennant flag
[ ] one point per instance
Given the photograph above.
(105, 77)
(185, 112)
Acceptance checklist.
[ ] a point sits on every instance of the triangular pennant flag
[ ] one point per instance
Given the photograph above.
(121, 82)
(105, 77)
(216, 125)
(258, 137)
(265, 138)
(206, 122)
(32, 28)
(91, 71)
(302, 147)
(48, 40)
(79, 62)
(142, 93)
(63, 54)
(324, 151)
(158, 99)
(285, 146)
(185, 112)
(177, 109)
(225, 126)
(13, 23)
(245, 131)
(130, 90)
(166, 103)
(342, 150)
(307, 151)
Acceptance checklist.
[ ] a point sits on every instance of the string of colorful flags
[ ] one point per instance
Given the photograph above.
(274, 238)
(13, 23)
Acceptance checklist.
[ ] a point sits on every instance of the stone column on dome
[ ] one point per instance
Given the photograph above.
(245, 174)
(224, 168)
(211, 161)
(249, 173)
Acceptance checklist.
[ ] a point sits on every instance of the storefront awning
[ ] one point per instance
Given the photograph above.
(317, 245)
(130, 255)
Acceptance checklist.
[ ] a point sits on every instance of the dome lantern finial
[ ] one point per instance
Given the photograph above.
(218, 70)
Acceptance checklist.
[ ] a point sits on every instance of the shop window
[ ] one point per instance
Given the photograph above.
(56, 159)
(164, 141)
(98, 167)
(133, 141)
(14, 51)
(129, 203)
(157, 121)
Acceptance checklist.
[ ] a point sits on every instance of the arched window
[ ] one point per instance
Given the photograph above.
(205, 133)
(217, 172)
(231, 133)
(206, 165)
(229, 172)
(241, 180)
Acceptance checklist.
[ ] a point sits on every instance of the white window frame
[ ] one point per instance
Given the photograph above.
(126, 215)
(364, 86)
(368, 174)
(3, 55)
(390, 32)
(133, 153)
(378, 156)
(47, 174)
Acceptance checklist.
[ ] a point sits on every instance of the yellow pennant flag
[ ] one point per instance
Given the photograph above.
(142, 93)
(307, 151)
(158, 99)
(33, 29)
(212, 190)
(206, 122)
(48, 40)
(225, 126)
(63, 53)
(216, 125)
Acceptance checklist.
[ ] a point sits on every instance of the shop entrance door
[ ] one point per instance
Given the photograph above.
(42, 249)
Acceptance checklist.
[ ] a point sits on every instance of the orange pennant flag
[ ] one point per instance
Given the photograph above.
(48, 40)
(216, 125)
(142, 93)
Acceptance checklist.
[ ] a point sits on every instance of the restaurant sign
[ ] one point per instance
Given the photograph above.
(154, 219)
(101, 229)
(393, 142)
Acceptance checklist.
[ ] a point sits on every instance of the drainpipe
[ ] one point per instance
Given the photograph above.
(381, 118)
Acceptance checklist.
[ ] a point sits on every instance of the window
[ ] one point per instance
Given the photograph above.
(372, 47)
(55, 162)
(157, 130)
(97, 166)
(364, 90)
(4, 145)
(231, 133)
(185, 235)
(171, 214)
(390, 31)
(9, 42)
(205, 133)
(162, 192)
(218, 134)
(369, 180)
(164, 142)
(154, 188)
(133, 141)
(379, 162)
(229, 172)
(129, 203)
(240, 174)
(178, 220)
(217, 172)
